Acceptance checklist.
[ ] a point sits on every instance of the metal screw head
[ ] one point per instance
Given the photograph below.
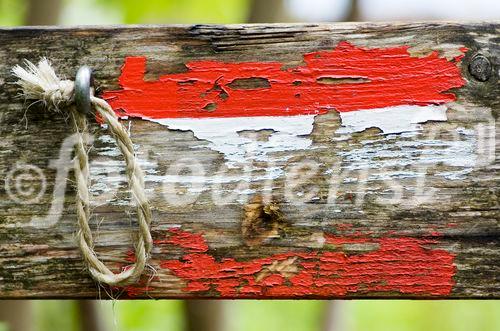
(84, 83)
(480, 68)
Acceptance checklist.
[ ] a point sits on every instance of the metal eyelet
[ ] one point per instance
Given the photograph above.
(84, 89)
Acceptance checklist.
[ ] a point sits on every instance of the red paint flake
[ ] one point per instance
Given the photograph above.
(398, 264)
(345, 240)
(191, 241)
(136, 290)
(197, 286)
(461, 56)
(387, 77)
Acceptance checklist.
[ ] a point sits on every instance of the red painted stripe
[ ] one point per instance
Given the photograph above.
(390, 77)
(397, 264)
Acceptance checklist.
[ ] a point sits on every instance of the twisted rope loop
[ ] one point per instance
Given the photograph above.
(41, 83)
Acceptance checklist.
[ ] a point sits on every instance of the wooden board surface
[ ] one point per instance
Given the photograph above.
(333, 204)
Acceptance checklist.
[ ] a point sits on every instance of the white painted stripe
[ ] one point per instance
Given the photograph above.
(391, 119)
(223, 134)
(289, 132)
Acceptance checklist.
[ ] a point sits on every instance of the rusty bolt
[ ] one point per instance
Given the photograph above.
(480, 68)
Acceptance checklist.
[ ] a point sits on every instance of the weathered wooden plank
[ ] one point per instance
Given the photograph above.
(308, 207)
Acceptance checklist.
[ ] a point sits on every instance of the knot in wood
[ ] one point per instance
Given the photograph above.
(261, 221)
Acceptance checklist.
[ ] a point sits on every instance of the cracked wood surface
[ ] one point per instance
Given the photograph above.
(351, 214)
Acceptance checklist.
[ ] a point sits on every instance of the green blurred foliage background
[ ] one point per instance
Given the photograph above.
(12, 12)
(186, 11)
(373, 315)
(287, 315)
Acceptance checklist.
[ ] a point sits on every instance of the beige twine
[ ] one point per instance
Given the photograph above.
(42, 84)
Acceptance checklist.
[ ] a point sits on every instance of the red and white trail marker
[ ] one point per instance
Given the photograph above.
(386, 88)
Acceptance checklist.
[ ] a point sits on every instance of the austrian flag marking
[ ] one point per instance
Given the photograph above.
(385, 88)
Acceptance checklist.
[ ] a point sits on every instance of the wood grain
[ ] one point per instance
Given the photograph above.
(315, 239)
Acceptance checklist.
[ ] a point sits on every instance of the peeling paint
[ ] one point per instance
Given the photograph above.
(222, 133)
(407, 155)
(379, 87)
(394, 119)
(392, 264)
(107, 172)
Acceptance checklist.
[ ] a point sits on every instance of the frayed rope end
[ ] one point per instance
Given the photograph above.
(40, 82)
